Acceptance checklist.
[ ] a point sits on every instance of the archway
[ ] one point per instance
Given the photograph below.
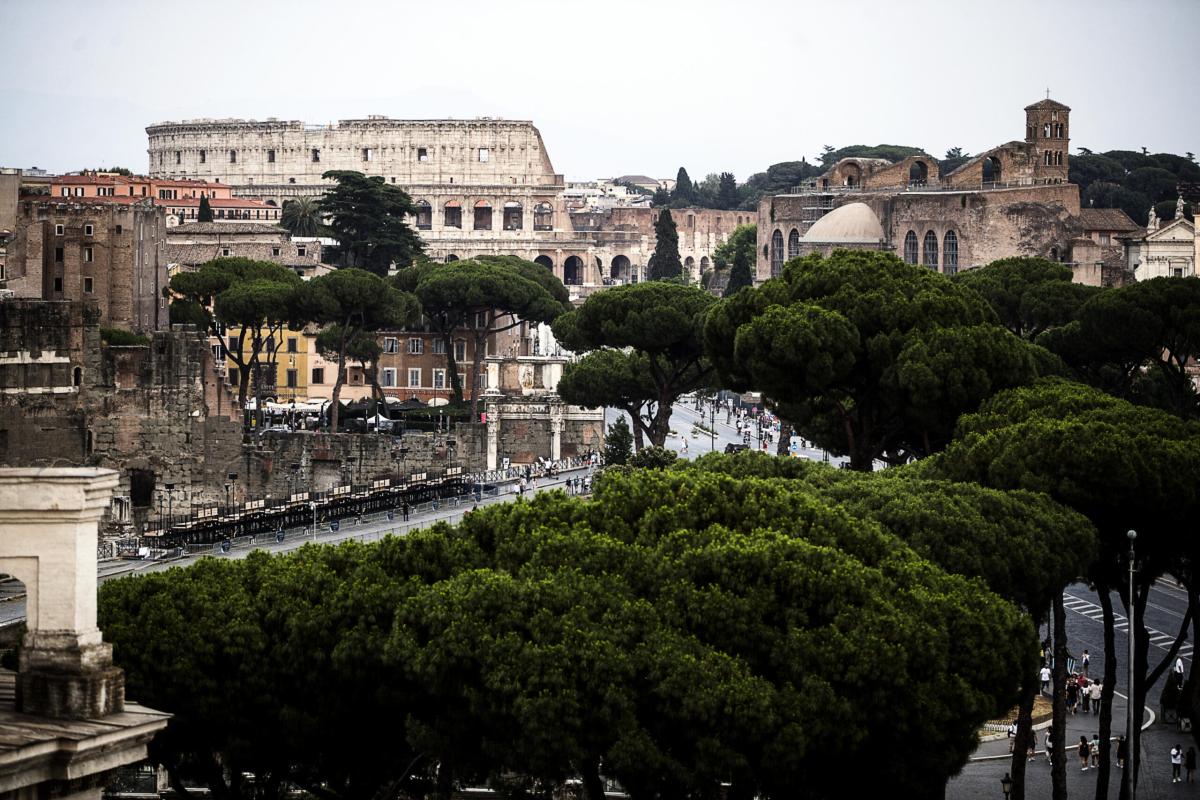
(514, 216)
(483, 216)
(620, 269)
(424, 215)
(950, 253)
(910, 247)
(573, 271)
(931, 250)
(451, 257)
(543, 217)
(689, 269)
(793, 244)
(545, 261)
(918, 174)
(991, 170)
(851, 175)
(776, 253)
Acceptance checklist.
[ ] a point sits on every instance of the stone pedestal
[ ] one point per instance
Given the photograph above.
(48, 520)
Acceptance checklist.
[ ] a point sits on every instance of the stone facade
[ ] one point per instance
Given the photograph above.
(481, 187)
(95, 250)
(1009, 201)
(1169, 250)
(195, 243)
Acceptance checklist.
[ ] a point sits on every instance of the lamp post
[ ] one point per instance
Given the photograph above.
(232, 478)
(1130, 723)
(1006, 784)
(712, 425)
(170, 487)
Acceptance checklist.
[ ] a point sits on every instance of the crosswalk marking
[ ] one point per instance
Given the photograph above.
(1094, 612)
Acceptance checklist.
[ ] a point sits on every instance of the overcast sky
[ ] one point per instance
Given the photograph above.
(615, 87)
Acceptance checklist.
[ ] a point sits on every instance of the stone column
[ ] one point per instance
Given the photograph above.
(556, 428)
(493, 435)
(48, 537)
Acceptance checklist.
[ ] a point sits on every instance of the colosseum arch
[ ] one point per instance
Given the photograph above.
(620, 268)
(483, 216)
(573, 271)
(452, 214)
(424, 215)
(545, 261)
(543, 217)
(514, 216)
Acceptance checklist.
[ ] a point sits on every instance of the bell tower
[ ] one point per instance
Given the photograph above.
(1048, 131)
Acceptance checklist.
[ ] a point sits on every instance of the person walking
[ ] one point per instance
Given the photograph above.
(1049, 750)
(1189, 763)
(1085, 696)
(1085, 753)
(1095, 691)
(1072, 695)
(1122, 752)
(1085, 660)
(1095, 747)
(1045, 676)
(1176, 763)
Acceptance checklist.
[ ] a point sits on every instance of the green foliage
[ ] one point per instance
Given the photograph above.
(505, 289)
(1029, 295)
(205, 213)
(741, 276)
(259, 298)
(744, 238)
(367, 217)
(686, 629)
(685, 193)
(666, 263)
(618, 443)
(891, 152)
(653, 458)
(660, 198)
(301, 217)
(119, 337)
(778, 179)
(868, 356)
(658, 325)
(727, 192)
(955, 158)
(1136, 342)
(1130, 181)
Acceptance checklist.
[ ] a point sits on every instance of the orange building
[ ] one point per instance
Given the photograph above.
(179, 197)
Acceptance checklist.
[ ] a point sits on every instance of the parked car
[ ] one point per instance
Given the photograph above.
(736, 448)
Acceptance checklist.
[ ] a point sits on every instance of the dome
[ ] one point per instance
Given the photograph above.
(851, 223)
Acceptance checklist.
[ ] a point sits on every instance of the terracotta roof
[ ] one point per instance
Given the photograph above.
(92, 179)
(218, 202)
(1106, 219)
(1048, 103)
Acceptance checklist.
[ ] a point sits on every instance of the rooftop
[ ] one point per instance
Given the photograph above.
(851, 223)
(225, 227)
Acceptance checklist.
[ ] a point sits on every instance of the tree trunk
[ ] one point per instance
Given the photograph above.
(1107, 691)
(337, 391)
(1024, 737)
(1058, 771)
(452, 366)
(589, 774)
(660, 423)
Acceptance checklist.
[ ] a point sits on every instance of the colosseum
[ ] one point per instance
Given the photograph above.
(484, 186)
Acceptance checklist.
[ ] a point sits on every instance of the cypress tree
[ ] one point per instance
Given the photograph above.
(727, 193)
(205, 213)
(618, 444)
(666, 249)
(739, 275)
(684, 191)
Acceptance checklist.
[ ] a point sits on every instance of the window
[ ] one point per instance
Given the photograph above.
(483, 216)
(416, 346)
(270, 156)
(178, 157)
(910, 248)
(389, 377)
(460, 350)
(293, 379)
(514, 216)
(1046, 131)
(543, 217)
(233, 344)
(793, 244)
(776, 253)
(87, 285)
(318, 375)
(118, 231)
(233, 156)
(58, 284)
(1177, 272)
(275, 251)
(931, 250)
(58, 255)
(87, 255)
(203, 156)
(79, 191)
(439, 379)
(1104, 238)
(366, 154)
(225, 251)
(422, 154)
(291, 344)
(484, 154)
(437, 346)
(452, 215)
(691, 220)
(391, 345)
(301, 250)
(233, 376)
(270, 343)
(414, 378)
(950, 253)
(87, 230)
(59, 230)
(481, 319)
(316, 155)
(66, 192)
(424, 215)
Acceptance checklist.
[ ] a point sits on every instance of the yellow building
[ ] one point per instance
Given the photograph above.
(300, 373)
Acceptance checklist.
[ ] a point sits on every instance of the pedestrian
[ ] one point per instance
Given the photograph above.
(404, 510)
(1085, 696)
(1095, 691)
(1085, 753)
(1176, 763)
(1179, 673)
(1189, 763)
(1045, 675)
(1012, 733)
(1072, 695)
(1085, 660)
(1122, 752)
(1049, 750)
(1095, 748)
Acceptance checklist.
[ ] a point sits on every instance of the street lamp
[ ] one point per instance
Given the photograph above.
(1131, 768)
(170, 487)
(1006, 785)
(232, 478)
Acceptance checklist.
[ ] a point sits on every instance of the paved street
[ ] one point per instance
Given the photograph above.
(1165, 613)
